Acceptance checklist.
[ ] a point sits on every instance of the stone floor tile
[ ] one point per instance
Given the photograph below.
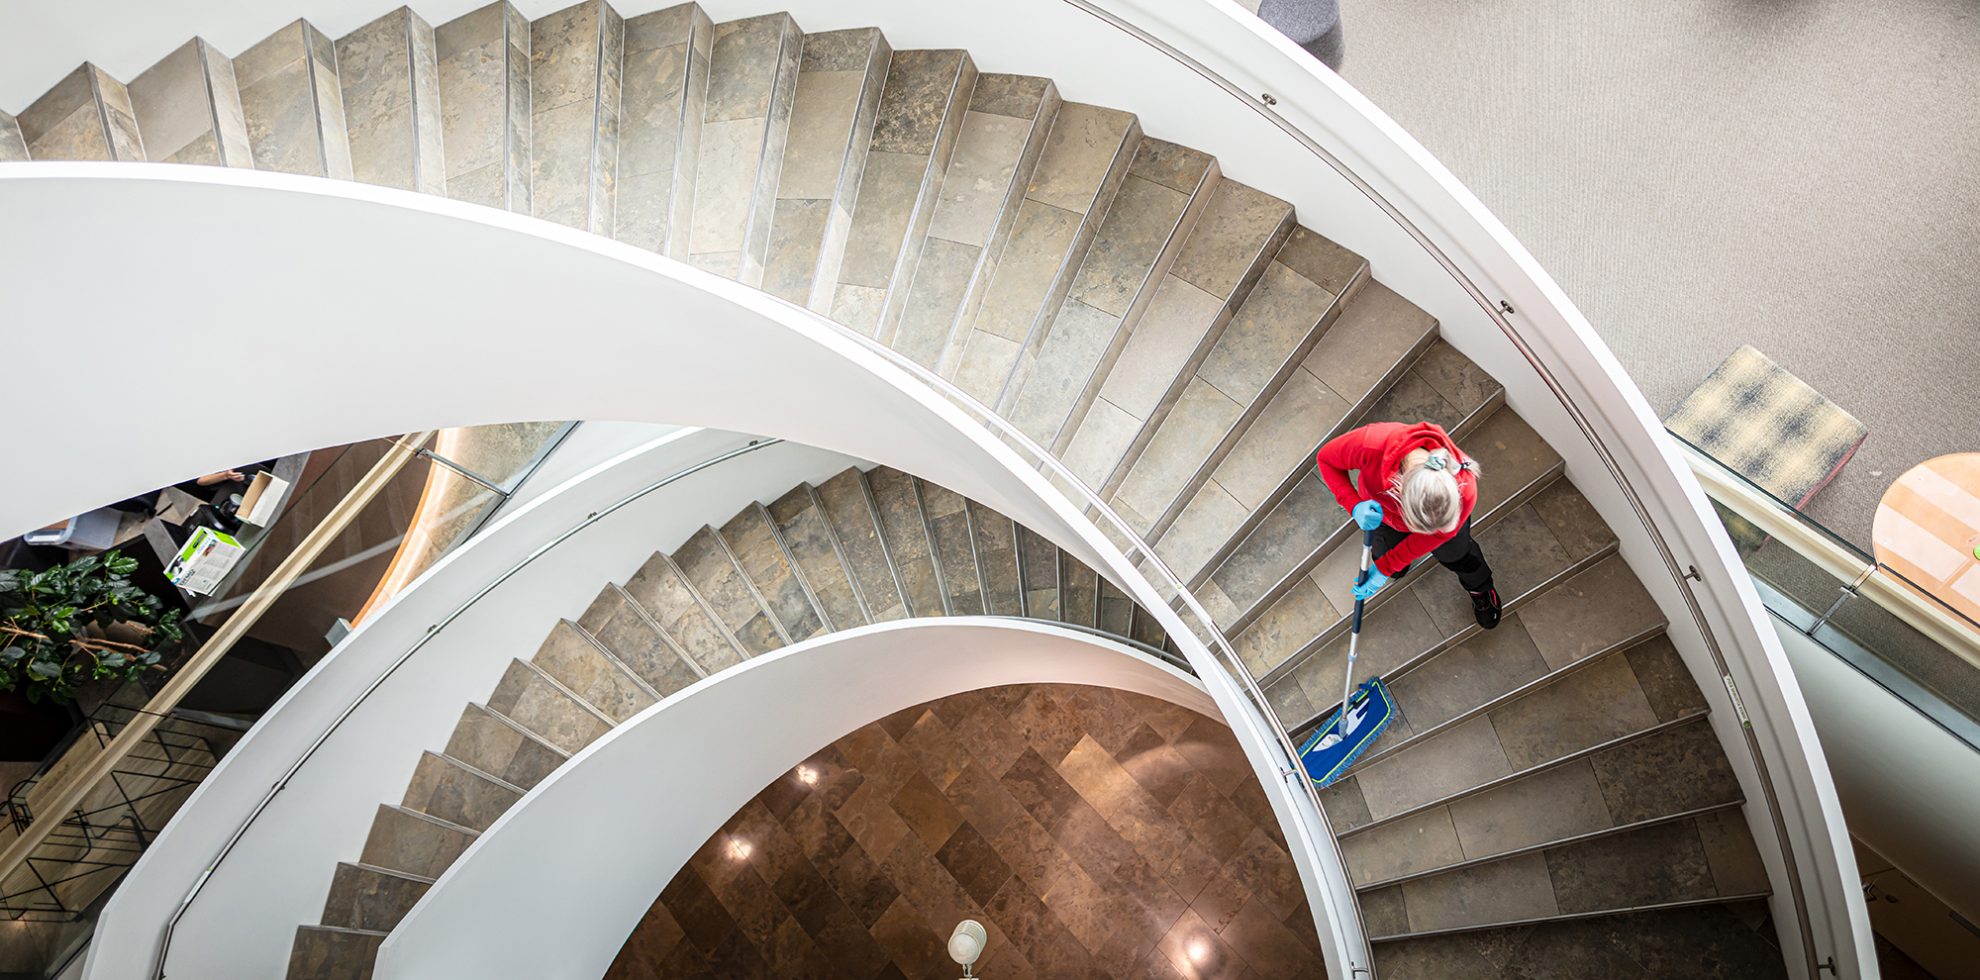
(1665, 680)
(1541, 808)
(1731, 853)
(1680, 769)
(1464, 756)
(1592, 705)
(1502, 891)
(1576, 525)
(1470, 674)
(1590, 612)
(1661, 863)
(1418, 843)
(1239, 225)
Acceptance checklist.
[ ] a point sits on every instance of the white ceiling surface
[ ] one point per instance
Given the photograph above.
(43, 40)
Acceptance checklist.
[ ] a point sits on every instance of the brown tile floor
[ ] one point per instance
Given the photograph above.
(1093, 832)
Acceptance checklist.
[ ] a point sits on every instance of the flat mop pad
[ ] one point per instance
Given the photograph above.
(1332, 749)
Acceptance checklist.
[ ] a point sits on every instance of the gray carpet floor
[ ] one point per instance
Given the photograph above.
(1801, 175)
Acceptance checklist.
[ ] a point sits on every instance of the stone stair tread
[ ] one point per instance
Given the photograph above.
(390, 77)
(1227, 252)
(576, 60)
(713, 574)
(492, 743)
(1053, 215)
(807, 532)
(483, 67)
(663, 591)
(998, 144)
(954, 544)
(406, 840)
(908, 548)
(333, 953)
(837, 100)
(1064, 361)
(1656, 864)
(574, 659)
(617, 623)
(188, 109)
(1038, 576)
(458, 793)
(1737, 934)
(849, 508)
(997, 556)
(920, 112)
(664, 94)
(752, 541)
(294, 104)
(536, 701)
(366, 897)
(752, 82)
(85, 116)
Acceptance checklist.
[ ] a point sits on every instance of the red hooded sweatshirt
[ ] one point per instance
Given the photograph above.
(1377, 451)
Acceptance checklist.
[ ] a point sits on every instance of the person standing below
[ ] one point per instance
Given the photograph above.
(1415, 489)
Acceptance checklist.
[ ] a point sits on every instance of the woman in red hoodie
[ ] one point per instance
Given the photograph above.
(1415, 491)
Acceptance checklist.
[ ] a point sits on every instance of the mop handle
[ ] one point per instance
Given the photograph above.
(1354, 628)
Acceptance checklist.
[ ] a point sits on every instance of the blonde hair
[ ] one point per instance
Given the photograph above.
(1429, 493)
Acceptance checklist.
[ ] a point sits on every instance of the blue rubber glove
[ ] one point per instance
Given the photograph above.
(1368, 515)
(1366, 589)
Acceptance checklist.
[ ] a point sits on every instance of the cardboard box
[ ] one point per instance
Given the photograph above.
(262, 499)
(206, 558)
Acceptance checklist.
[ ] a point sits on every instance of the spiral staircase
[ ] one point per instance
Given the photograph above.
(1551, 798)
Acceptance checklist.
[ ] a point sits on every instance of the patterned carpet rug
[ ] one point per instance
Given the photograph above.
(1768, 426)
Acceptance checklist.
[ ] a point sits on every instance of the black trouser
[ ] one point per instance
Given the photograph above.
(1460, 554)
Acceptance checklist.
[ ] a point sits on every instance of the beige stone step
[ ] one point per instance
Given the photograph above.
(997, 559)
(415, 843)
(1703, 859)
(663, 95)
(575, 660)
(920, 115)
(1227, 253)
(1038, 576)
(1739, 936)
(1003, 133)
(1234, 393)
(12, 147)
(390, 72)
(1064, 357)
(848, 504)
(746, 118)
(840, 74)
(458, 793)
(294, 103)
(954, 542)
(1080, 586)
(662, 590)
(814, 548)
(909, 549)
(536, 701)
(483, 68)
(619, 625)
(329, 953)
(490, 742)
(188, 109)
(751, 537)
(86, 116)
(1281, 543)
(728, 594)
(370, 898)
(576, 56)
(1378, 336)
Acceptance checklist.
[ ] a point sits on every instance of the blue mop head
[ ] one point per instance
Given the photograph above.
(1333, 748)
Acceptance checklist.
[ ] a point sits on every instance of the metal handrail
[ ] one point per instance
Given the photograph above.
(1499, 311)
(1135, 551)
(199, 884)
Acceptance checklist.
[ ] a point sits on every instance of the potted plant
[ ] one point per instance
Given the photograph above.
(79, 622)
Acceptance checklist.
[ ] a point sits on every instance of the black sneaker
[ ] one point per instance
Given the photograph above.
(1485, 606)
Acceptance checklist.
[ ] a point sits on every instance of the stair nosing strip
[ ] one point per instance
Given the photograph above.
(762, 602)
(613, 659)
(1533, 770)
(839, 551)
(1548, 845)
(1355, 413)
(518, 727)
(561, 686)
(886, 550)
(1339, 627)
(797, 570)
(934, 554)
(1334, 539)
(393, 872)
(423, 815)
(1535, 685)
(658, 630)
(1469, 630)
(1574, 916)
(1206, 471)
(352, 930)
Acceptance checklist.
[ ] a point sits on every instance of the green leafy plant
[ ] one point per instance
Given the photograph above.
(57, 627)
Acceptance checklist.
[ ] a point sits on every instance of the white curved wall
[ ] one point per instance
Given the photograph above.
(554, 887)
(278, 874)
